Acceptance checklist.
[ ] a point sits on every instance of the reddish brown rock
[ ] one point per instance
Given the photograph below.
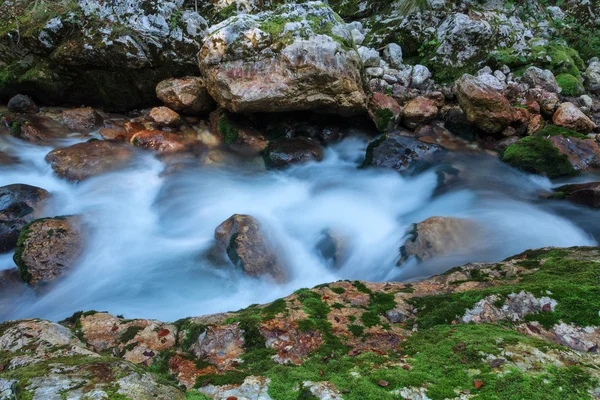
(535, 124)
(48, 248)
(186, 372)
(116, 133)
(83, 160)
(81, 119)
(159, 141)
(384, 110)
(185, 95)
(164, 116)
(582, 153)
(569, 116)
(418, 111)
(484, 106)
(242, 237)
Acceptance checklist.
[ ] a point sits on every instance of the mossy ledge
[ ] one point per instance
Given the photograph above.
(375, 340)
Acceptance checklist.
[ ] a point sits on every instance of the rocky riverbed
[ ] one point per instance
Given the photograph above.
(175, 160)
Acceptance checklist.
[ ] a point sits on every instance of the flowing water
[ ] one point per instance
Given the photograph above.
(148, 232)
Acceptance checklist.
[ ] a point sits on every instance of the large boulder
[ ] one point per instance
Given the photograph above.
(83, 160)
(484, 106)
(81, 119)
(283, 152)
(402, 153)
(542, 78)
(296, 57)
(438, 236)
(19, 205)
(186, 95)
(22, 104)
(48, 248)
(60, 56)
(569, 116)
(242, 237)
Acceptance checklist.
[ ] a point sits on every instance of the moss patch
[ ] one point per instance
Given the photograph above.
(570, 85)
(537, 155)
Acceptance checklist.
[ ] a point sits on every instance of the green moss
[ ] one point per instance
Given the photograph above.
(191, 332)
(557, 57)
(195, 395)
(537, 155)
(383, 119)
(570, 85)
(356, 330)
(338, 290)
(370, 148)
(276, 307)
(370, 318)
(130, 333)
(361, 287)
(555, 130)
(574, 282)
(227, 131)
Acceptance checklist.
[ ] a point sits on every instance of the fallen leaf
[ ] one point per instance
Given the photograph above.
(477, 384)
(406, 367)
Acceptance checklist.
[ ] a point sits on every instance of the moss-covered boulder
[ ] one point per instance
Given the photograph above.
(95, 53)
(570, 85)
(385, 111)
(296, 57)
(48, 248)
(537, 155)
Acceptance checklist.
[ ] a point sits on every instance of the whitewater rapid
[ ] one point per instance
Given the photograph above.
(148, 232)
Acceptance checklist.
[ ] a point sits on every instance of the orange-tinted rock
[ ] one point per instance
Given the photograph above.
(222, 346)
(569, 116)
(535, 124)
(164, 116)
(84, 160)
(484, 106)
(159, 141)
(418, 111)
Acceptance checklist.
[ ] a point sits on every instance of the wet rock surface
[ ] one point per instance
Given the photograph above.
(19, 205)
(48, 248)
(284, 152)
(246, 245)
(84, 160)
(402, 153)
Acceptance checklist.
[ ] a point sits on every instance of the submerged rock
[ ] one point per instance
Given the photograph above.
(402, 153)
(185, 95)
(438, 236)
(283, 152)
(22, 104)
(48, 248)
(587, 194)
(484, 106)
(83, 160)
(242, 237)
(20, 204)
(296, 57)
